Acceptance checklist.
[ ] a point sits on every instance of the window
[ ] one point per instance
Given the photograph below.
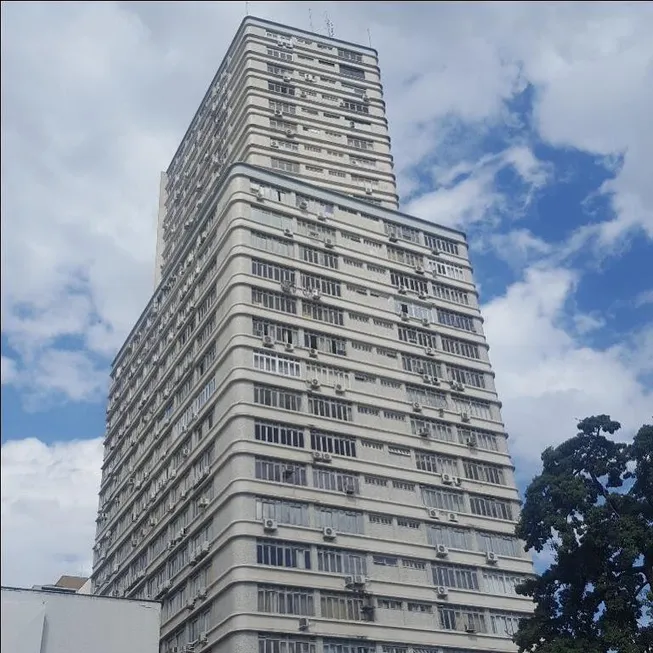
(283, 554)
(273, 244)
(322, 313)
(450, 270)
(277, 397)
(434, 429)
(284, 165)
(417, 337)
(451, 537)
(455, 320)
(403, 485)
(360, 143)
(285, 512)
(411, 309)
(276, 364)
(426, 396)
(317, 231)
(490, 507)
(279, 54)
(439, 244)
(276, 433)
(327, 374)
(484, 472)
(341, 607)
(331, 408)
(463, 578)
(449, 294)
(379, 481)
(279, 71)
(461, 348)
(419, 607)
(389, 604)
(443, 499)
(271, 271)
(408, 523)
(285, 644)
(420, 365)
(499, 582)
(271, 218)
(385, 561)
(318, 257)
(321, 284)
(472, 407)
(402, 231)
(350, 55)
(481, 439)
(341, 445)
(376, 518)
(279, 471)
(404, 256)
(342, 521)
(461, 618)
(399, 451)
(325, 343)
(279, 332)
(435, 463)
(329, 479)
(283, 89)
(505, 624)
(285, 600)
(505, 545)
(315, 169)
(466, 376)
(409, 282)
(356, 107)
(350, 71)
(274, 301)
(344, 646)
(338, 561)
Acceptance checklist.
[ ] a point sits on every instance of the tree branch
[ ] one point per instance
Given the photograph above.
(604, 493)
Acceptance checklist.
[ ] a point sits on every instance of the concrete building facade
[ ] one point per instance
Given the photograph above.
(304, 450)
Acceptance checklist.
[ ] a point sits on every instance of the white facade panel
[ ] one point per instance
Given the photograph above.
(55, 622)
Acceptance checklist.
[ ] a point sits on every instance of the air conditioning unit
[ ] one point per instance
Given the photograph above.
(453, 517)
(350, 488)
(287, 287)
(274, 144)
(423, 296)
(289, 347)
(270, 525)
(354, 582)
(201, 595)
(326, 457)
(429, 351)
(287, 232)
(469, 628)
(315, 294)
(405, 317)
(321, 216)
(441, 551)
(304, 623)
(447, 479)
(339, 388)
(314, 383)
(287, 78)
(435, 380)
(426, 378)
(492, 558)
(329, 243)
(185, 452)
(464, 417)
(313, 353)
(442, 592)
(417, 407)
(260, 196)
(419, 269)
(471, 443)
(328, 533)
(268, 341)
(317, 455)
(434, 513)
(203, 502)
(402, 290)
(290, 133)
(303, 204)
(424, 432)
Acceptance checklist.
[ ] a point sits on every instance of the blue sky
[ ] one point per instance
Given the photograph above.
(526, 125)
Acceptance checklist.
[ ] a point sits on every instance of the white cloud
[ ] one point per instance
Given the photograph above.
(547, 378)
(49, 504)
(8, 370)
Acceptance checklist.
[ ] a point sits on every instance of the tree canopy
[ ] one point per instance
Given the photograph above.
(592, 507)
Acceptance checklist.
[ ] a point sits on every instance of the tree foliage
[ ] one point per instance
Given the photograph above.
(592, 506)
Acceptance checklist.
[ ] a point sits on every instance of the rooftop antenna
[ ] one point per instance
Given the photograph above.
(369, 36)
(329, 25)
(246, 8)
(310, 19)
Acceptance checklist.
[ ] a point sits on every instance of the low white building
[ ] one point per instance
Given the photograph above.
(58, 620)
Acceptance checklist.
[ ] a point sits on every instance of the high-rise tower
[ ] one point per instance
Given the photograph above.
(304, 448)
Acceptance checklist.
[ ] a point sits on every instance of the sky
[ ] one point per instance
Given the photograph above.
(527, 125)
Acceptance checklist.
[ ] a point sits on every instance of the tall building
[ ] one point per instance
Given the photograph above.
(304, 449)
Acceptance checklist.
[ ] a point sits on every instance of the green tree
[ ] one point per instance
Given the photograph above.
(592, 506)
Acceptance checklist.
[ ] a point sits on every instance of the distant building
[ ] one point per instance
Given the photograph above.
(65, 618)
